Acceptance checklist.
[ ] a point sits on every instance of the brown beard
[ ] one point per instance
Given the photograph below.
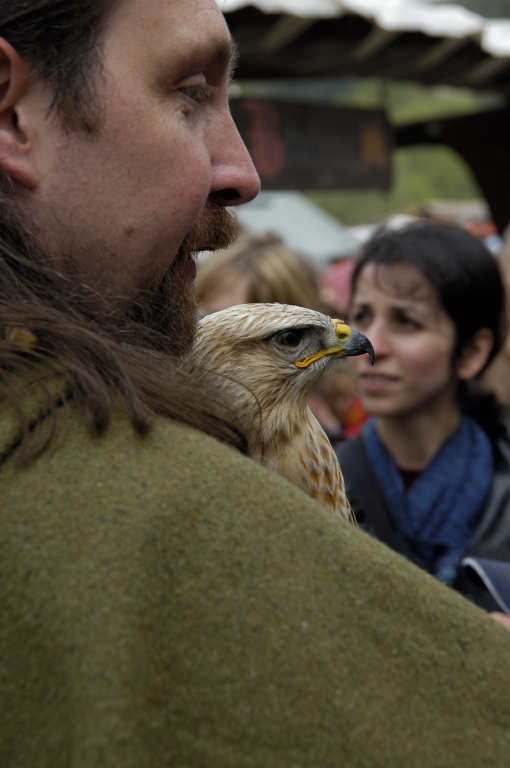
(106, 353)
(163, 315)
(168, 306)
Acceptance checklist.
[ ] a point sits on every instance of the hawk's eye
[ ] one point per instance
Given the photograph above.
(290, 338)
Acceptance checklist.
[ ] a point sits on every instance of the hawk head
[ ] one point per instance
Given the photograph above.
(275, 351)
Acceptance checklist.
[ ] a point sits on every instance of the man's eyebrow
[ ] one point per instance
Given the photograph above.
(221, 54)
(226, 56)
(234, 60)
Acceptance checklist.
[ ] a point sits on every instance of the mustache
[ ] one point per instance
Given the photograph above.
(167, 306)
(217, 228)
(165, 311)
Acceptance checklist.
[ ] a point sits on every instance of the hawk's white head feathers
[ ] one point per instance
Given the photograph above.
(263, 359)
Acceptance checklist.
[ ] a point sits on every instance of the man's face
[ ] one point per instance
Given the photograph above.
(115, 207)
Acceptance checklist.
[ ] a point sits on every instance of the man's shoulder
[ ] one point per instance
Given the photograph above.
(254, 588)
(172, 464)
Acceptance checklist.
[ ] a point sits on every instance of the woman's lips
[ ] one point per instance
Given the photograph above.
(376, 382)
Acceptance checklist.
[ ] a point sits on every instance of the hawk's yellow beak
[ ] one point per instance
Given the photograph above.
(350, 342)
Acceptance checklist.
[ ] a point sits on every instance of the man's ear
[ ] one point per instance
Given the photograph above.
(475, 354)
(16, 160)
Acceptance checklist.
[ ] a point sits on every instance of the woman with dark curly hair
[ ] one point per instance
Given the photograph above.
(429, 475)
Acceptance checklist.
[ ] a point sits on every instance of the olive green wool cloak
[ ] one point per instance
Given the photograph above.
(167, 602)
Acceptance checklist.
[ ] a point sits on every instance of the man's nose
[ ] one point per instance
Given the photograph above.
(234, 178)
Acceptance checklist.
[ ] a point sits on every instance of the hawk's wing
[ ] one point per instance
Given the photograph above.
(309, 461)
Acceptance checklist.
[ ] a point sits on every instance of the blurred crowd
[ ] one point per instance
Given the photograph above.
(422, 436)
(263, 269)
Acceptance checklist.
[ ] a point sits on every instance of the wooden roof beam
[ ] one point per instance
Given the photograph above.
(373, 43)
(283, 32)
(484, 71)
(439, 53)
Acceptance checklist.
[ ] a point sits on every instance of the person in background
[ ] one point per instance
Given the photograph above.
(429, 474)
(257, 269)
(497, 376)
(335, 286)
(338, 389)
(338, 386)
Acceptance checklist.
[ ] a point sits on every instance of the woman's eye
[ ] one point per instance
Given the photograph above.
(290, 338)
(199, 93)
(361, 317)
(407, 322)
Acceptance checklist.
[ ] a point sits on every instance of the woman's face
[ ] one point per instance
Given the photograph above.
(413, 338)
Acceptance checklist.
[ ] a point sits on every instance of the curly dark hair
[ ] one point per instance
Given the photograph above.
(469, 288)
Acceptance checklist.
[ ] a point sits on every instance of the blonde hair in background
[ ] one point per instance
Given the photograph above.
(272, 272)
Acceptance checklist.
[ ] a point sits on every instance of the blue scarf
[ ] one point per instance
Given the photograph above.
(440, 512)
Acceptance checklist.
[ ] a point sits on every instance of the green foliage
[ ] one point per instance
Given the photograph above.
(412, 103)
(421, 174)
(404, 102)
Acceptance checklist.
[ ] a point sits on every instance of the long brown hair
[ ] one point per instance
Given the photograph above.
(104, 352)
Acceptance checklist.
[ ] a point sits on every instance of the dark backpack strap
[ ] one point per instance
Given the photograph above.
(367, 498)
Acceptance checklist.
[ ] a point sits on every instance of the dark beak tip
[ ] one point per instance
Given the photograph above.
(360, 346)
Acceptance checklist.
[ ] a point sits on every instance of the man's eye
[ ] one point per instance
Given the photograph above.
(199, 93)
(290, 338)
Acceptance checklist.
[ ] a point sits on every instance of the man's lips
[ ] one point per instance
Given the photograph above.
(188, 270)
(209, 247)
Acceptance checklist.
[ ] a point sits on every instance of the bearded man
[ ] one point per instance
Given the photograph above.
(165, 601)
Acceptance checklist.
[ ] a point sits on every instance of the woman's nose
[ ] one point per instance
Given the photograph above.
(378, 336)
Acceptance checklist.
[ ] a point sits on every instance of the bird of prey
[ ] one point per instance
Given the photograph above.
(263, 359)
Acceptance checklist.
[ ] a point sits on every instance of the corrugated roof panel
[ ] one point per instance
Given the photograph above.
(442, 21)
(432, 20)
(320, 9)
(496, 37)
